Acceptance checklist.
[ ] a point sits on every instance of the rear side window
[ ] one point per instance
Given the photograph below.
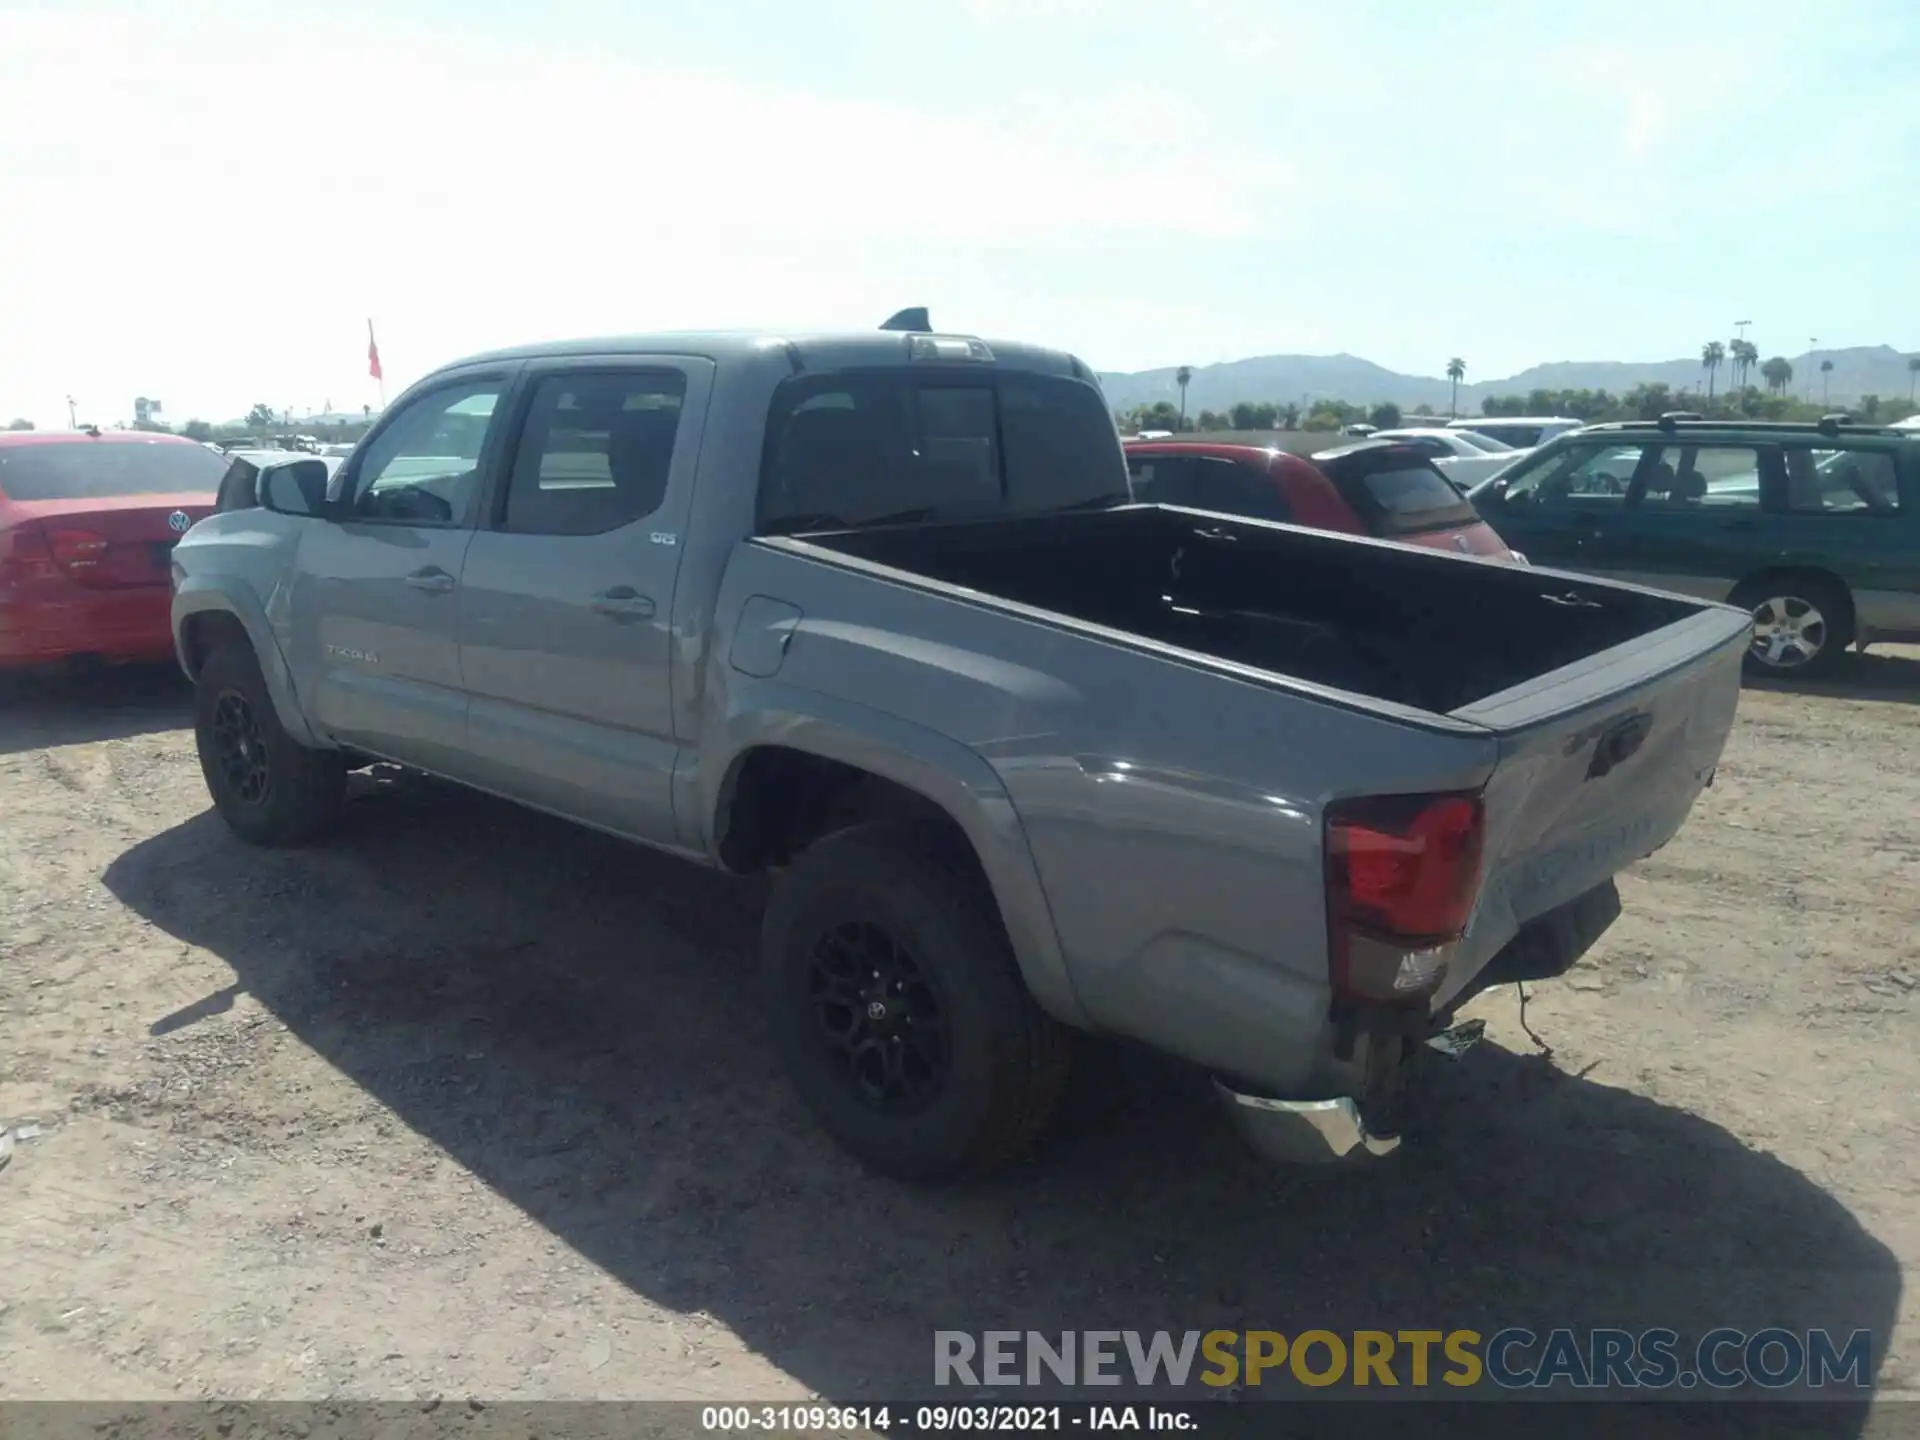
(1689, 478)
(1841, 482)
(107, 469)
(595, 452)
(1061, 446)
(1235, 489)
(1162, 479)
(1521, 437)
(866, 447)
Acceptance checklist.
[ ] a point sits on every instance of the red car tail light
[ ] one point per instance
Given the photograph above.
(24, 557)
(1403, 873)
(77, 550)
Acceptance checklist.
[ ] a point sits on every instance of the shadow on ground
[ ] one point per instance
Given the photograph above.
(106, 704)
(1886, 675)
(575, 1022)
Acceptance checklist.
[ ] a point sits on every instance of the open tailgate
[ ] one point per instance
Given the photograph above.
(1600, 761)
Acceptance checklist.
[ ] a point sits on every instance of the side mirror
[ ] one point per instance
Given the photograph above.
(296, 489)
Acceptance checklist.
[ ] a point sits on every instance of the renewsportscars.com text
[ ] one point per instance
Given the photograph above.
(1509, 1359)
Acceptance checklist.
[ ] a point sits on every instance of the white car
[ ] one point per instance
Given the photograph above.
(1912, 422)
(1523, 432)
(1465, 457)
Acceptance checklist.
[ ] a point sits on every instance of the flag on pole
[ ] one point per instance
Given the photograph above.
(373, 355)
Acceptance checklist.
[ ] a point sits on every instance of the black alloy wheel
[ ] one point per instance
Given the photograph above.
(240, 749)
(880, 1017)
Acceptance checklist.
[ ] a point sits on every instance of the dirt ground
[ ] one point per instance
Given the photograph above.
(471, 1103)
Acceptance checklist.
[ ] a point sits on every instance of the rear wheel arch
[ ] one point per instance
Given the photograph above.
(777, 799)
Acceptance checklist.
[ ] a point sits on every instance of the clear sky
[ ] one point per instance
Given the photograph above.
(205, 203)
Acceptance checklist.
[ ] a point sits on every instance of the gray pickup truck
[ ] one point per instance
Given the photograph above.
(877, 613)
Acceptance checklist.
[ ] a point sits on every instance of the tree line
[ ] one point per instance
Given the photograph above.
(262, 420)
(1642, 402)
(1263, 415)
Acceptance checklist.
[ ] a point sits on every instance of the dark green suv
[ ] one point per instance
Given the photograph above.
(1815, 528)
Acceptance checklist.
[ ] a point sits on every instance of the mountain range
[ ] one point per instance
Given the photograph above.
(1302, 379)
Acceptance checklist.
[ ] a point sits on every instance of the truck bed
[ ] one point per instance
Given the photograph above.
(1388, 622)
(1169, 700)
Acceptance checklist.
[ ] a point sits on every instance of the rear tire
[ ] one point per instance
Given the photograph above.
(1802, 625)
(270, 789)
(899, 1009)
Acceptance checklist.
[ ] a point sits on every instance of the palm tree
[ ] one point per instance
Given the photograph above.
(1456, 372)
(1778, 373)
(1711, 354)
(1745, 356)
(1826, 380)
(1913, 375)
(1182, 377)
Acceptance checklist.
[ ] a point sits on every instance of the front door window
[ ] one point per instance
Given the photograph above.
(424, 467)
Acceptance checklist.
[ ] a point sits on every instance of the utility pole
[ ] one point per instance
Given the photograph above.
(73, 421)
(1812, 340)
(1740, 326)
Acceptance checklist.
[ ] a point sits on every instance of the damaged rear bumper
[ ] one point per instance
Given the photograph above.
(1304, 1132)
(1319, 1132)
(1326, 1131)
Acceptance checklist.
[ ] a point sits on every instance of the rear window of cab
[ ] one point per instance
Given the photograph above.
(932, 444)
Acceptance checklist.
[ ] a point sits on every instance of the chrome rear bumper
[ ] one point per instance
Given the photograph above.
(1304, 1132)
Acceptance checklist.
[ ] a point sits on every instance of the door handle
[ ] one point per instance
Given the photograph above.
(623, 602)
(433, 580)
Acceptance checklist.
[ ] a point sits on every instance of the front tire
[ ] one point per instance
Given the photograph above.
(899, 1009)
(270, 789)
(1801, 626)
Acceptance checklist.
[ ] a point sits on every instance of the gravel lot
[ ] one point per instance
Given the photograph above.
(471, 1103)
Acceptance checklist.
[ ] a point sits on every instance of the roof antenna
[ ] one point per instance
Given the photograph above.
(913, 321)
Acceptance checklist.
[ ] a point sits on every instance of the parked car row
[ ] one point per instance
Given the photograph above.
(1813, 528)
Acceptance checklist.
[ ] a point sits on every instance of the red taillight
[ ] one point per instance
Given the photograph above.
(77, 550)
(24, 556)
(1403, 872)
(1408, 866)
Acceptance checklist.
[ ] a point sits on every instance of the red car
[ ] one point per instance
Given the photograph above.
(88, 521)
(1373, 487)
